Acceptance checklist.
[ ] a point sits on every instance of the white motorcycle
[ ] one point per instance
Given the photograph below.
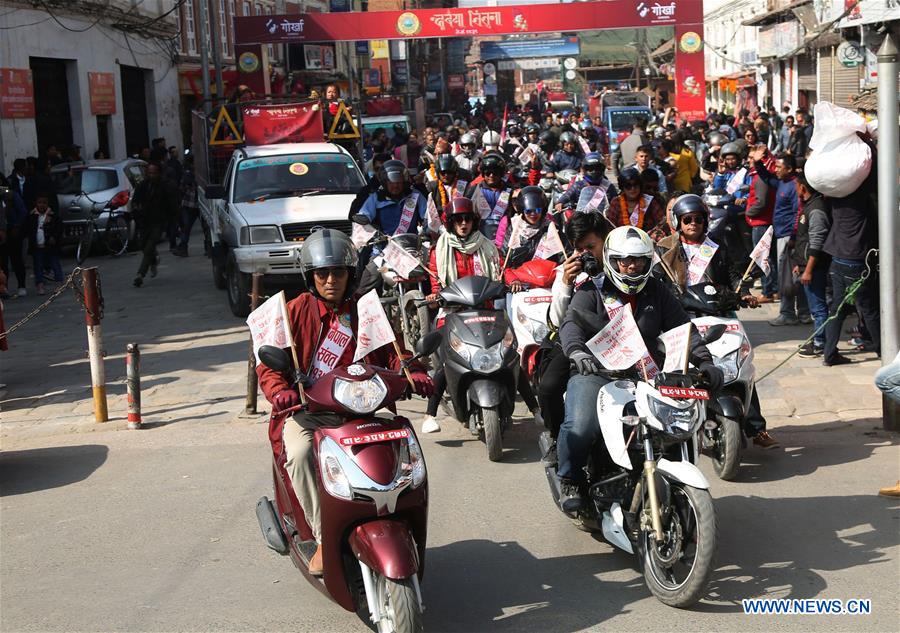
(661, 511)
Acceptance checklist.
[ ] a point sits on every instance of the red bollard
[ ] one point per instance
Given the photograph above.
(133, 384)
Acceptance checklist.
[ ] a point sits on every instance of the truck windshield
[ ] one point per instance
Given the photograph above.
(623, 120)
(293, 175)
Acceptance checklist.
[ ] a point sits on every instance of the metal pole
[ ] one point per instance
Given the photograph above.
(133, 384)
(93, 306)
(252, 378)
(888, 238)
(443, 79)
(204, 55)
(217, 53)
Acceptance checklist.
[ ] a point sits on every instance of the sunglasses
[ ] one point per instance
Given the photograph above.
(533, 211)
(462, 219)
(324, 273)
(693, 219)
(631, 185)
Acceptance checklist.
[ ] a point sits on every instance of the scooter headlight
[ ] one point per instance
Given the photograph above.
(488, 360)
(364, 396)
(334, 478)
(416, 461)
(538, 329)
(678, 421)
(464, 350)
(729, 365)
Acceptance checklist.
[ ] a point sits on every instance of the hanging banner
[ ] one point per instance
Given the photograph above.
(690, 72)
(16, 93)
(467, 22)
(293, 123)
(102, 88)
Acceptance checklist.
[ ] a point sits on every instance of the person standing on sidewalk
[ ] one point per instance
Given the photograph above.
(155, 201)
(190, 209)
(811, 261)
(760, 204)
(854, 232)
(44, 237)
(11, 247)
(794, 309)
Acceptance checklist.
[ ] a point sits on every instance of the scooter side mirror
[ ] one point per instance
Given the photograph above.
(714, 333)
(274, 358)
(429, 343)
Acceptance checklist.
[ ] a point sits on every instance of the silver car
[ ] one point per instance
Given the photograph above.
(94, 187)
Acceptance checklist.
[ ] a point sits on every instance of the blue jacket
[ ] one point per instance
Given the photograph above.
(571, 195)
(562, 161)
(784, 216)
(720, 181)
(385, 213)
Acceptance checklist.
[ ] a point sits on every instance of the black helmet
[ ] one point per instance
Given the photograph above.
(445, 164)
(328, 248)
(568, 137)
(492, 163)
(547, 140)
(514, 126)
(593, 162)
(730, 148)
(628, 175)
(532, 128)
(688, 203)
(393, 171)
(716, 138)
(531, 198)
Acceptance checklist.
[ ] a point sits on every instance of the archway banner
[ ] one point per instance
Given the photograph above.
(467, 22)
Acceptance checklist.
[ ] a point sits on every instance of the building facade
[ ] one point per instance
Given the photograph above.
(100, 79)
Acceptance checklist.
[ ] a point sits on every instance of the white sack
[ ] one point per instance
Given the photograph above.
(840, 160)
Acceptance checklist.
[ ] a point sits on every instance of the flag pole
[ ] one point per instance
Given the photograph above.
(510, 248)
(405, 369)
(293, 348)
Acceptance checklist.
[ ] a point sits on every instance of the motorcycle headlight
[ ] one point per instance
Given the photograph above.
(416, 461)
(464, 350)
(537, 328)
(678, 421)
(334, 478)
(360, 397)
(729, 365)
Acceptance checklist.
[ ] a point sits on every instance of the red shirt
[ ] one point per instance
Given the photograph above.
(465, 266)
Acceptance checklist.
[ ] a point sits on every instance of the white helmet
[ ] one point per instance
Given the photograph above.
(490, 140)
(469, 143)
(624, 242)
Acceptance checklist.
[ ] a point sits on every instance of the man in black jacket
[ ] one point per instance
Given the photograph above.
(155, 202)
(627, 259)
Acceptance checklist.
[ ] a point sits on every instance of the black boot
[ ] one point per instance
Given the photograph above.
(570, 497)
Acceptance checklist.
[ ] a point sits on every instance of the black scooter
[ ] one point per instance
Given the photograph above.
(478, 354)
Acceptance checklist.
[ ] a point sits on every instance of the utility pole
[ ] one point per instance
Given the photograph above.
(443, 78)
(204, 55)
(217, 53)
(888, 239)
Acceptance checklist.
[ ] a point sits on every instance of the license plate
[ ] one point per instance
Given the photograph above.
(684, 393)
(370, 438)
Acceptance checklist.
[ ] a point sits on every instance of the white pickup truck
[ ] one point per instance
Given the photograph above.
(272, 197)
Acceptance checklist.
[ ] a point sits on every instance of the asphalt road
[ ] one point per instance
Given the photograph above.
(102, 529)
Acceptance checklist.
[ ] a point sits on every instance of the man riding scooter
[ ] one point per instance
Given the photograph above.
(323, 323)
(627, 260)
(686, 254)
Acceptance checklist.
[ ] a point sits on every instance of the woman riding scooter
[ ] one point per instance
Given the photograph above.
(459, 252)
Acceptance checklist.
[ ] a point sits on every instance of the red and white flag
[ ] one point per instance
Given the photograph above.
(434, 218)
(619, 345)
(374, 328)
(550, 244)
(361, 234)
(515, 238)
(269, 324)
(760, 252)
(399, 259)
(676, 341)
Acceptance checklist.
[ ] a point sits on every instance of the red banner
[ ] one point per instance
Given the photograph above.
(293, 123)
(102, 88)
(453, 22)
(16, 93)
(690, 73)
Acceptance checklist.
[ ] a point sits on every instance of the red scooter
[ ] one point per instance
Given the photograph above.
(373, 492)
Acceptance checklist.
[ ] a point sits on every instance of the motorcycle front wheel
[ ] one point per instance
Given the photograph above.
(677, 570)
(400, 605)
(727, 448)
(490, 418)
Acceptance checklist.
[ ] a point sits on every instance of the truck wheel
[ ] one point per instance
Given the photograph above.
(219, 279)
(238, 286)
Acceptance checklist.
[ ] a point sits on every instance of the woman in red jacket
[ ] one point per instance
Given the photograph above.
(460, 252)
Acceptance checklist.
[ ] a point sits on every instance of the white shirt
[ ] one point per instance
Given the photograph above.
(39, 237)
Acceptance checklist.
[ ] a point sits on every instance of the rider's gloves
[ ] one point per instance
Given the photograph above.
(422, 382)
(586, 364)
(714, 376)
(285, 399)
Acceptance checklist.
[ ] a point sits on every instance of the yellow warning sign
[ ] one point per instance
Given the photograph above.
(344, 113)
(232, 136)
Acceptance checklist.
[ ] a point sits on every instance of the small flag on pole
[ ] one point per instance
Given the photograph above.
(269, 324)
(374, 328)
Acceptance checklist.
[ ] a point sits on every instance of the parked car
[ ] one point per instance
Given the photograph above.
(94, 187)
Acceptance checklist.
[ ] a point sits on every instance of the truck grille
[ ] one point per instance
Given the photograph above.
(299, 231)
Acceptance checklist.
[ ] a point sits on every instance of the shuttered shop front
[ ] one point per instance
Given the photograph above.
(837, 82)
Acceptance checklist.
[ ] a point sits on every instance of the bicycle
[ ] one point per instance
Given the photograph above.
(114, 235)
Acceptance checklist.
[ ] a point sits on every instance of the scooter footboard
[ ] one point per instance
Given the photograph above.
(684, 472)
(386, 547)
